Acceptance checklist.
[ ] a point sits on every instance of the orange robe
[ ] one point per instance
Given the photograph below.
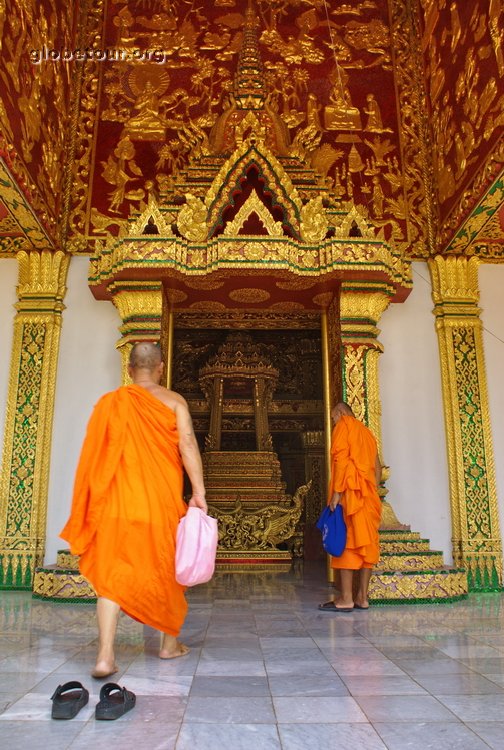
(353, 457)
(126, 507)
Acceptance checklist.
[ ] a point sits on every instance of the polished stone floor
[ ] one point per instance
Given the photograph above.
(266, 670)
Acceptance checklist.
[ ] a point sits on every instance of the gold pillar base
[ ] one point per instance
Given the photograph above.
(62, 582)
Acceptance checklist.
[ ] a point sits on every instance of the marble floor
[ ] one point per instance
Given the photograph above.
(266, 670)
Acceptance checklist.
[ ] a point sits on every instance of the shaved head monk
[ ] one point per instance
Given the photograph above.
(355, 476)
(128, 501)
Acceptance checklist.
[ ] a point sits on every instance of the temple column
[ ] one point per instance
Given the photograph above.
(140, 305)
(360, 311)
(477, 544)
(262, 398)
(24, 478)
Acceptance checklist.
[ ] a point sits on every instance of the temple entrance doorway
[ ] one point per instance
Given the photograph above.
(256, 396)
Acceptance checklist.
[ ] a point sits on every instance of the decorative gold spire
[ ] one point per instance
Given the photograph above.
(250, 89)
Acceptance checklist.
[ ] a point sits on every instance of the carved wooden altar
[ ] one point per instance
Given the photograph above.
(246, 492)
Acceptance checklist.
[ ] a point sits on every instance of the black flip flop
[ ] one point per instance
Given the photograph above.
(331, 607)
(114, 702)
(68, 699)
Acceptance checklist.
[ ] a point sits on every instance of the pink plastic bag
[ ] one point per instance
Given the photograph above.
(196, 548)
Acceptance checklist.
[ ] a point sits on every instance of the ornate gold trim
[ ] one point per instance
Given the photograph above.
(140, 305)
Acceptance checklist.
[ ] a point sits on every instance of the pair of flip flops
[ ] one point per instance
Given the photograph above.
(68, 699)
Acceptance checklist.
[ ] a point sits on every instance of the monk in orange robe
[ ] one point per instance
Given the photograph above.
(127, 504)
(355, 476)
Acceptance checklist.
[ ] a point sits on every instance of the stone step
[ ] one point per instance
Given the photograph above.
(404, 561)
(61, 584)
(404, 545)
(446, 584)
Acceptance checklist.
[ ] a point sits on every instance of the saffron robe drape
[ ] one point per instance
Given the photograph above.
(353, 456)
(126, 506)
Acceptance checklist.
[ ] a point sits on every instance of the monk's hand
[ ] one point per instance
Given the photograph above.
(334, 500)
(198, 501)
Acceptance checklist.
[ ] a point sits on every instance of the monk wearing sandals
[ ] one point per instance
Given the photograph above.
(128, 501)
(355, 476)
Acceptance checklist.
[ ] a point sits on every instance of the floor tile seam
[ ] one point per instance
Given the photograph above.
(192, 676)
(387, 695)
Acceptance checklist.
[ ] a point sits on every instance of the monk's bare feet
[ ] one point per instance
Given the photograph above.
(171, 648)
(361, 603)
(343, 603)
(103, 669)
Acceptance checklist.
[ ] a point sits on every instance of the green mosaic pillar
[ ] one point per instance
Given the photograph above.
(477, 544)
(24, 478)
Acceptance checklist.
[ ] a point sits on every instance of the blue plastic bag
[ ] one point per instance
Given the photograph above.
(333, 528)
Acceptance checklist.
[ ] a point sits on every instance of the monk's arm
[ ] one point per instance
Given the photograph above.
(378, 470)
(335, 498)
(191, 457)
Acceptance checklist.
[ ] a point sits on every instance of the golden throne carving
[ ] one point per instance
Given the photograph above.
(245, 489)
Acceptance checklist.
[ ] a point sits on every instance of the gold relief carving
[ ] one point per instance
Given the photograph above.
(101, 224)
(76, 191)
(438, 586)
(476, 535)
(355, 382)
(324, 299)
(120, 169)
(38, 92)
(61, 585)
(340, 114)
(21, 211)
(281, 254)
(42, 275)
(209, 284)
(353, 219)
(313, 438)
(245, 319)
(192, 219)
(297, 284)
(140, 306)
(235, 167)
(8, 225)
(418, 205)
(363, 305)
(148, 84)
(483, 219)
(374, 121)
(455, 280)
(208, 306)
(152, 214)
(254, 205)
(132, 301)
(249, 295)
(359, 314)
(286, 306)
(175, 296)
(314, 223)
(9, 246)
(262, 528)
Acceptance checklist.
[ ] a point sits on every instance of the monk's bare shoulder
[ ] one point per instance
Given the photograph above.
(172, 399)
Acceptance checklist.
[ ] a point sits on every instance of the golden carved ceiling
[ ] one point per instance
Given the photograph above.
(395, 105)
